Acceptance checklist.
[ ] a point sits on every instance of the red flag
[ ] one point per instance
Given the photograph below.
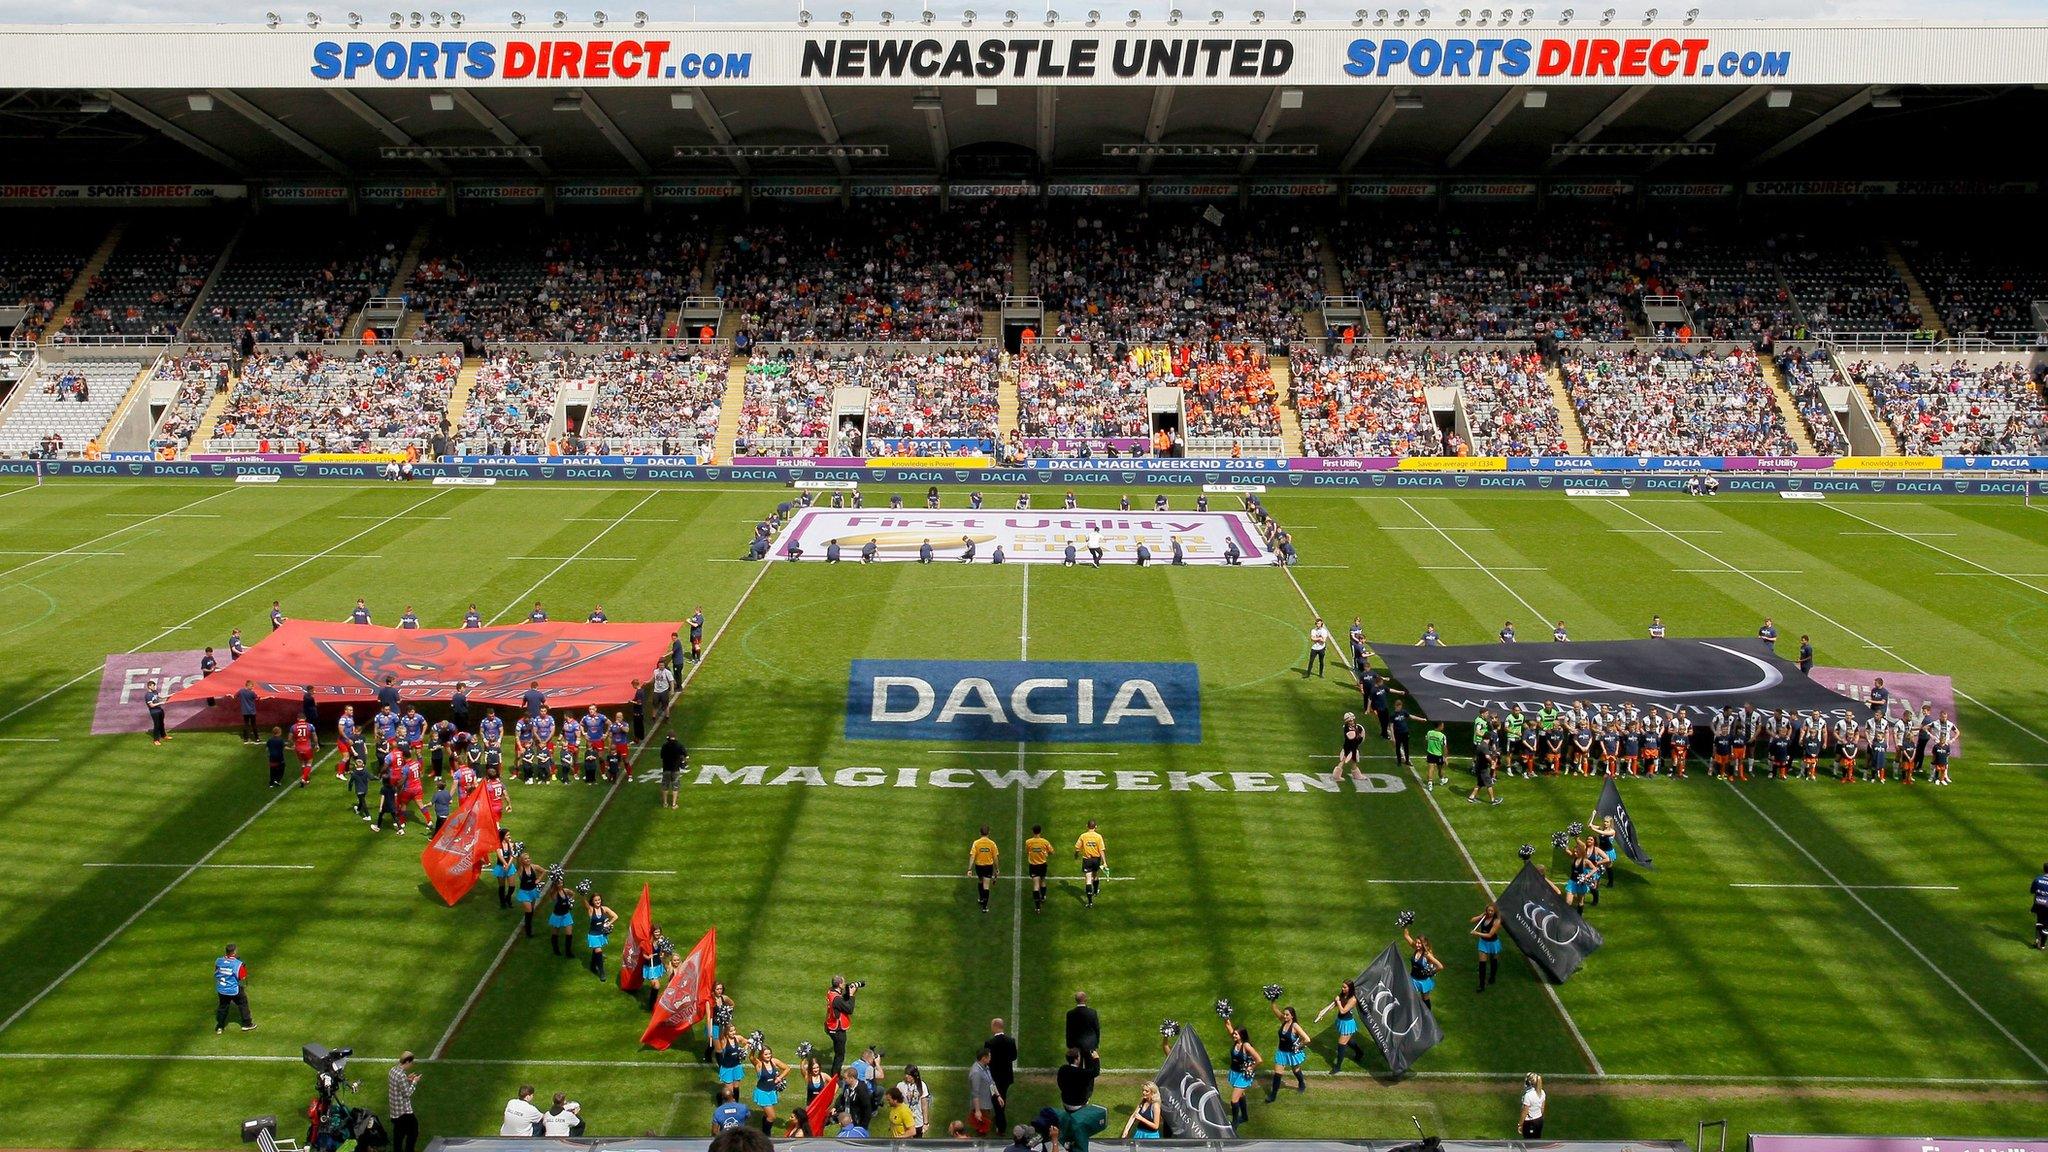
(639, 942)
(816, 1114)
(455, 856)
(687, 996)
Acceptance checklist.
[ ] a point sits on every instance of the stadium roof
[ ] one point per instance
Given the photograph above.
(1031, 98)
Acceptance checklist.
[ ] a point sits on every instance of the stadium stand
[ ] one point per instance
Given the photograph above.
(1981, 289)
(290, 284)
(38, 264)
(1805, 375)
(511, 407)
(1366, 405)
(872, 274)
(1732, 288)
(1171, 276)
(315, 402)
(200, 373)
(661, 401)
(1076, 393)
(1672, 403)
(1846, 286)
(156, 272)
(1958, 408)
(65, 406)
(913, 394)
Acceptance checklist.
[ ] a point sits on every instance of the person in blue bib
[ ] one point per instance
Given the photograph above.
(730, 1113)
(1486, 926)
(230, 986)
(1422, 966)
(1290, 1049)
(1345, 1005)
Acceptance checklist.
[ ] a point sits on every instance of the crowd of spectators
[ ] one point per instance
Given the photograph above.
(1847, 286)
(934, 395)
(1980, 288)
(155, 273)
(913, 394)
(1229, 392)
(1365, 405)
(1674, 403)
(1959, 408)
(314, 402)
(38, 264)
(876, 273)
(1492, 277)
(286, 283)
(490, 281)
(654, 400)
(1805, 376)
(1171, 276)
(1508, 403)
(1732, 288)
(201, 373)
(511, 406)
(1078, 393)
(788, 402)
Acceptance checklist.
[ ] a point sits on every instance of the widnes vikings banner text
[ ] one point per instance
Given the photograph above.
(1544, 927)
(1690, 677)
(1611, 807)
(575, 663)
(1394, 1013)
(1187, 1093)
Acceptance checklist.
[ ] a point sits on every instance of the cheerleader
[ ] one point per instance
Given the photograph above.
(504, 865)
(1599, 867)
(562, 919)
(655, 969)
(1144, 1121)
(1345, 1005)
(815, 1080)
(1244, 1070)
(731, 1058)
(528, 895)
(770, 1077)
(600, 931)
(1290, 1050)
(1422, 966)
(1603, 832)
(1486, 926)
(719, 1014)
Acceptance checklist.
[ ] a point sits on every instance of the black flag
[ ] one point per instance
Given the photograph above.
(1394, 1013)
(1611, 807)
(1549, 931)
(1187, 1093)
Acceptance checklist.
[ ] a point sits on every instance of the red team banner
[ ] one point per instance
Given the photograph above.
(639, 942)
(575, 663)
(683, 1002)
(455, 856)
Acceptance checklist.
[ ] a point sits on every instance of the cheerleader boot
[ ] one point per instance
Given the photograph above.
(1300, 1081)
(1273, 1093)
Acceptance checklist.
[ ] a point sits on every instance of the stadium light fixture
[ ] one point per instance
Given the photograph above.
(967, 18)
(888, 18)
(681, 101)
(1216, 16)
(441, 101)
(95, 105)
(1535, 98)
(925, 18)
(460, 152)
(434, 19)
(199, 102)
(927, 100)
(455, 19)
(312, 19)
(1290, 98)
(1421, 17)
(415, 19)
(1141, 150)
(1650, 16)
(1464, 17)
(845, 19)
(1635, 151)
(1400, 17)
(985, 97)
(270, 19)
(1173, 17)
(1010, 19)
(1051, 17)
(396, 20)
(782, 151)
(1299, 17)
(569, 102)
(561, 18)
(1528, 14)
(1606, 17)
(1887, 100)
(639, 19)
(1094, 17)
(1258, 16)
(519, 19)
(1564, 17)
(597, 18)
(1407, 102)
(1778, 98)
(1691, 14)
(803, 18)
(1132, 17)
(355, 19)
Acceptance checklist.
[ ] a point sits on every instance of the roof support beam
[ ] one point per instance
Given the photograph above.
(1368, 135)
(821, 115)
(137, 112)
(1268, 120)
(1818, 125)
(1719, 116)
(935, 131)
(1155, 123)
(468, 102)
(275, 127)
(376, 119)
(610, 131)
(1048, 113)
(1484, 128)
(715, 124)
(1605, 119)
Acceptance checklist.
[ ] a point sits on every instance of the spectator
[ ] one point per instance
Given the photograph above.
(982, 1097)
(1534, 1101)
(399, 1084)
(564, 1119)
(1959, 408)
(1674, 403)
(521, 1117)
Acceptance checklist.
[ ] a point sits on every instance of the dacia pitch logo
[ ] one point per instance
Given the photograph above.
(1015, 702)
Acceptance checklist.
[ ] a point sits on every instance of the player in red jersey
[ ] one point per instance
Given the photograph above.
(302, 743)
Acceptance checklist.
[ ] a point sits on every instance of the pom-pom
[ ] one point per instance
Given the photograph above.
(1526, 851)
(583, 886)
(804, 1050)
(1169, 1028)
(1575, 829)
(1223, 1009)
(1274, 992)
(1559, 840)
(722, 1014)
(756, 1040)
(557, 873)
(1405, 919)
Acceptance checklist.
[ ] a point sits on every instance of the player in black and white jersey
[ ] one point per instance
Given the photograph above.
(1941, 743)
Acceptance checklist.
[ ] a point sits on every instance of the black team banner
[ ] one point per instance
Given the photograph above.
(1394, 1014)
(1689, 679)
(1545, 928)
(1611, 808)
(1187, 1093)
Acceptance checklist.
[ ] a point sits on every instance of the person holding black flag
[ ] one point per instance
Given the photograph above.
(839, 1017)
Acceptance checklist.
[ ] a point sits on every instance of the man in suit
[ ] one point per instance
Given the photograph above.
(1002, 1067)
(1084, 1031)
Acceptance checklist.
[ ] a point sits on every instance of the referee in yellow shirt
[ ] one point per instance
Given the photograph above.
(1038, 854)
(1094, 861)
(981, 860)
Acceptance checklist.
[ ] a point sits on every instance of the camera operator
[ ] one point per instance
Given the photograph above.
(839, 1016)
(399, 1084)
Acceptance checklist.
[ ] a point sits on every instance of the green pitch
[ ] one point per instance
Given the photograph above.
(1806, 956)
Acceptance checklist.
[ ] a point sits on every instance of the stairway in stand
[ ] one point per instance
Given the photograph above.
(1020, 266)
(1567, 416)
(1802, 437)
(1009, 404)
(728, 434)
(209, 420)
(401, 276)
(1333, 272)
(1877, 420)
(1930, 317)
(1375, 326)
(1282, 371)
(465, 385)
(93, 266)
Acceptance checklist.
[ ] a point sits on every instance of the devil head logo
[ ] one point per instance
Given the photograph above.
(494, 662)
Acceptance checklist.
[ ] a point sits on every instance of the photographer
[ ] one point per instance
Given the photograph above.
(839, 1016)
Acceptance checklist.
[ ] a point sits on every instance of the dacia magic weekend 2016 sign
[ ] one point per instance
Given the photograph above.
(1028, 702)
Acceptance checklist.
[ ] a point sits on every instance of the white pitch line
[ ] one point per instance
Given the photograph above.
(244, 867)
(1465, 883)
(606, 520)
(498, 961)
(576, 559)
(1884, 531)
(2019, 764)
(1479, 877)
(335, 547)
(1474, 561)
(565, 561)
(1017, 828)
(1019, 752)
(1815, 860)
(1724, 571)
(169, 515)
(47, 554)
(28, 740)
(1915, 538)
(116, 532)
(1986, 572)
(1476, 568)
(334, 556)
(1426, 528)
(1862, 887)
(1675, 531)
(629, 871)
(360, 517)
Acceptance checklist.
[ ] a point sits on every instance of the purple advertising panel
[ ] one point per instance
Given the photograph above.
(1761, 1143)
(1906, 688)
(1775, 463)
(125, 679)
(800, 461)
(1066, 445)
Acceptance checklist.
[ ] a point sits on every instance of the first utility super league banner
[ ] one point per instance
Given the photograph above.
(1026, 537)
(1689, 678)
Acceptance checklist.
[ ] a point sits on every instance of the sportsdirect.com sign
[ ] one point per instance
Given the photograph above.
(1027, 702)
